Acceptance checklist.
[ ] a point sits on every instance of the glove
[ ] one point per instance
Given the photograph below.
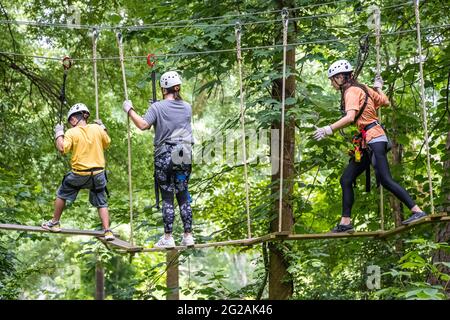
(378, 82)
(127, 106)
(100, 123)
(59, 130)
(321, 133)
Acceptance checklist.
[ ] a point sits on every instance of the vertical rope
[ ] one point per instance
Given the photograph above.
(377, 19)
(424, 106)
(284, 15)
(130, 188)
(94, 59)
(244, 149)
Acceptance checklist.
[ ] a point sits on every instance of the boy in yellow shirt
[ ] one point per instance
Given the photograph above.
(86, 142)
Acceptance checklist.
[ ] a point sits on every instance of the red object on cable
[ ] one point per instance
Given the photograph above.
(67, 62)
(151, 60)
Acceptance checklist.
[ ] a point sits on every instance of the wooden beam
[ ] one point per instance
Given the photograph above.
(19, 227)
(74, 232)
(121, 244)
(172, 275)
(429, 219)
(200, 245)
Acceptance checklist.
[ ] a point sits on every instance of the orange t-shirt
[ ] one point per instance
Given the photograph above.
(354, 99)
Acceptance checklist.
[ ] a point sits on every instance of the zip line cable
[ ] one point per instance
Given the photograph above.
(170, 25)
(190, 53)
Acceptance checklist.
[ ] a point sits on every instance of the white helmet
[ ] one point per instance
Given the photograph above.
(170, 79)
(338, 67)
(76, 108)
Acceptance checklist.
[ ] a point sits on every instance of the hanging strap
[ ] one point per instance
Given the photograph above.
(238, 32)
(67, 64)
(151, 61)
(130, 188)
(363, 53)
(424, 106)
(284, 14)
(94, 60)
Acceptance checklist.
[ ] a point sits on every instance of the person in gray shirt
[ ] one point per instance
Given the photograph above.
(173, 140)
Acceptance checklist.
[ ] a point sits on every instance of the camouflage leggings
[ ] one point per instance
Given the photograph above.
(173, 179)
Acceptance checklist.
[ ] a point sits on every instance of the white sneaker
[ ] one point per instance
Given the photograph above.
(188, 240)
(165, 243)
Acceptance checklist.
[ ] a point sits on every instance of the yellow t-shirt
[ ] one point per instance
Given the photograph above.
(354, 100)
(86, 143)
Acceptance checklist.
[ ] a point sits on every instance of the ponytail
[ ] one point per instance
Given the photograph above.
(175, 90)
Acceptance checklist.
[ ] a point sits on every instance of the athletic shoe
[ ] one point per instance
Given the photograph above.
(415, 217)
(109, 235)
(343, 228)
(187, 240)
(165, 243)
(51, 226)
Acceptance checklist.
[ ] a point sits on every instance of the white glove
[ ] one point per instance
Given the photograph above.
(59, 130)
(321, 133)
(100, 123)
(378, 83)
(127, 106)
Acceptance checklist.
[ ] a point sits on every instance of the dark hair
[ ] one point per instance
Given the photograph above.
(349, 81)
(176, 91)
(83, 115)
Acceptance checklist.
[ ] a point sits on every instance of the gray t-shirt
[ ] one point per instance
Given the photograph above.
(172, 122)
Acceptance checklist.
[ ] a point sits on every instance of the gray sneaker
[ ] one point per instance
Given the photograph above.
(415, 217)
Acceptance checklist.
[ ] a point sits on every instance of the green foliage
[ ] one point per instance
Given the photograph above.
(53, 267)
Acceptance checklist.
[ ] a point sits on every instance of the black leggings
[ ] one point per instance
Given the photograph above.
(381, 166)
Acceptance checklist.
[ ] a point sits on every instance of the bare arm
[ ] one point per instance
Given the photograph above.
(138, 120)
(345, 121)
(60, 144)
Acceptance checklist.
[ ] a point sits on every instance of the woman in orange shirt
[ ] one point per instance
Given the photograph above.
(360, 104)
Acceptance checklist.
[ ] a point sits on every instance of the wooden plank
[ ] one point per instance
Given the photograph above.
(201, 245)
(121, 244)
(429, 219)
(75, 232)
(19, 227)
(329, 235)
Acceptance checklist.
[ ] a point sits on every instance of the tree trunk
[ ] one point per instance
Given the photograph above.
(172, 280)
(443, 235)
(99, 281)
(280, 282)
